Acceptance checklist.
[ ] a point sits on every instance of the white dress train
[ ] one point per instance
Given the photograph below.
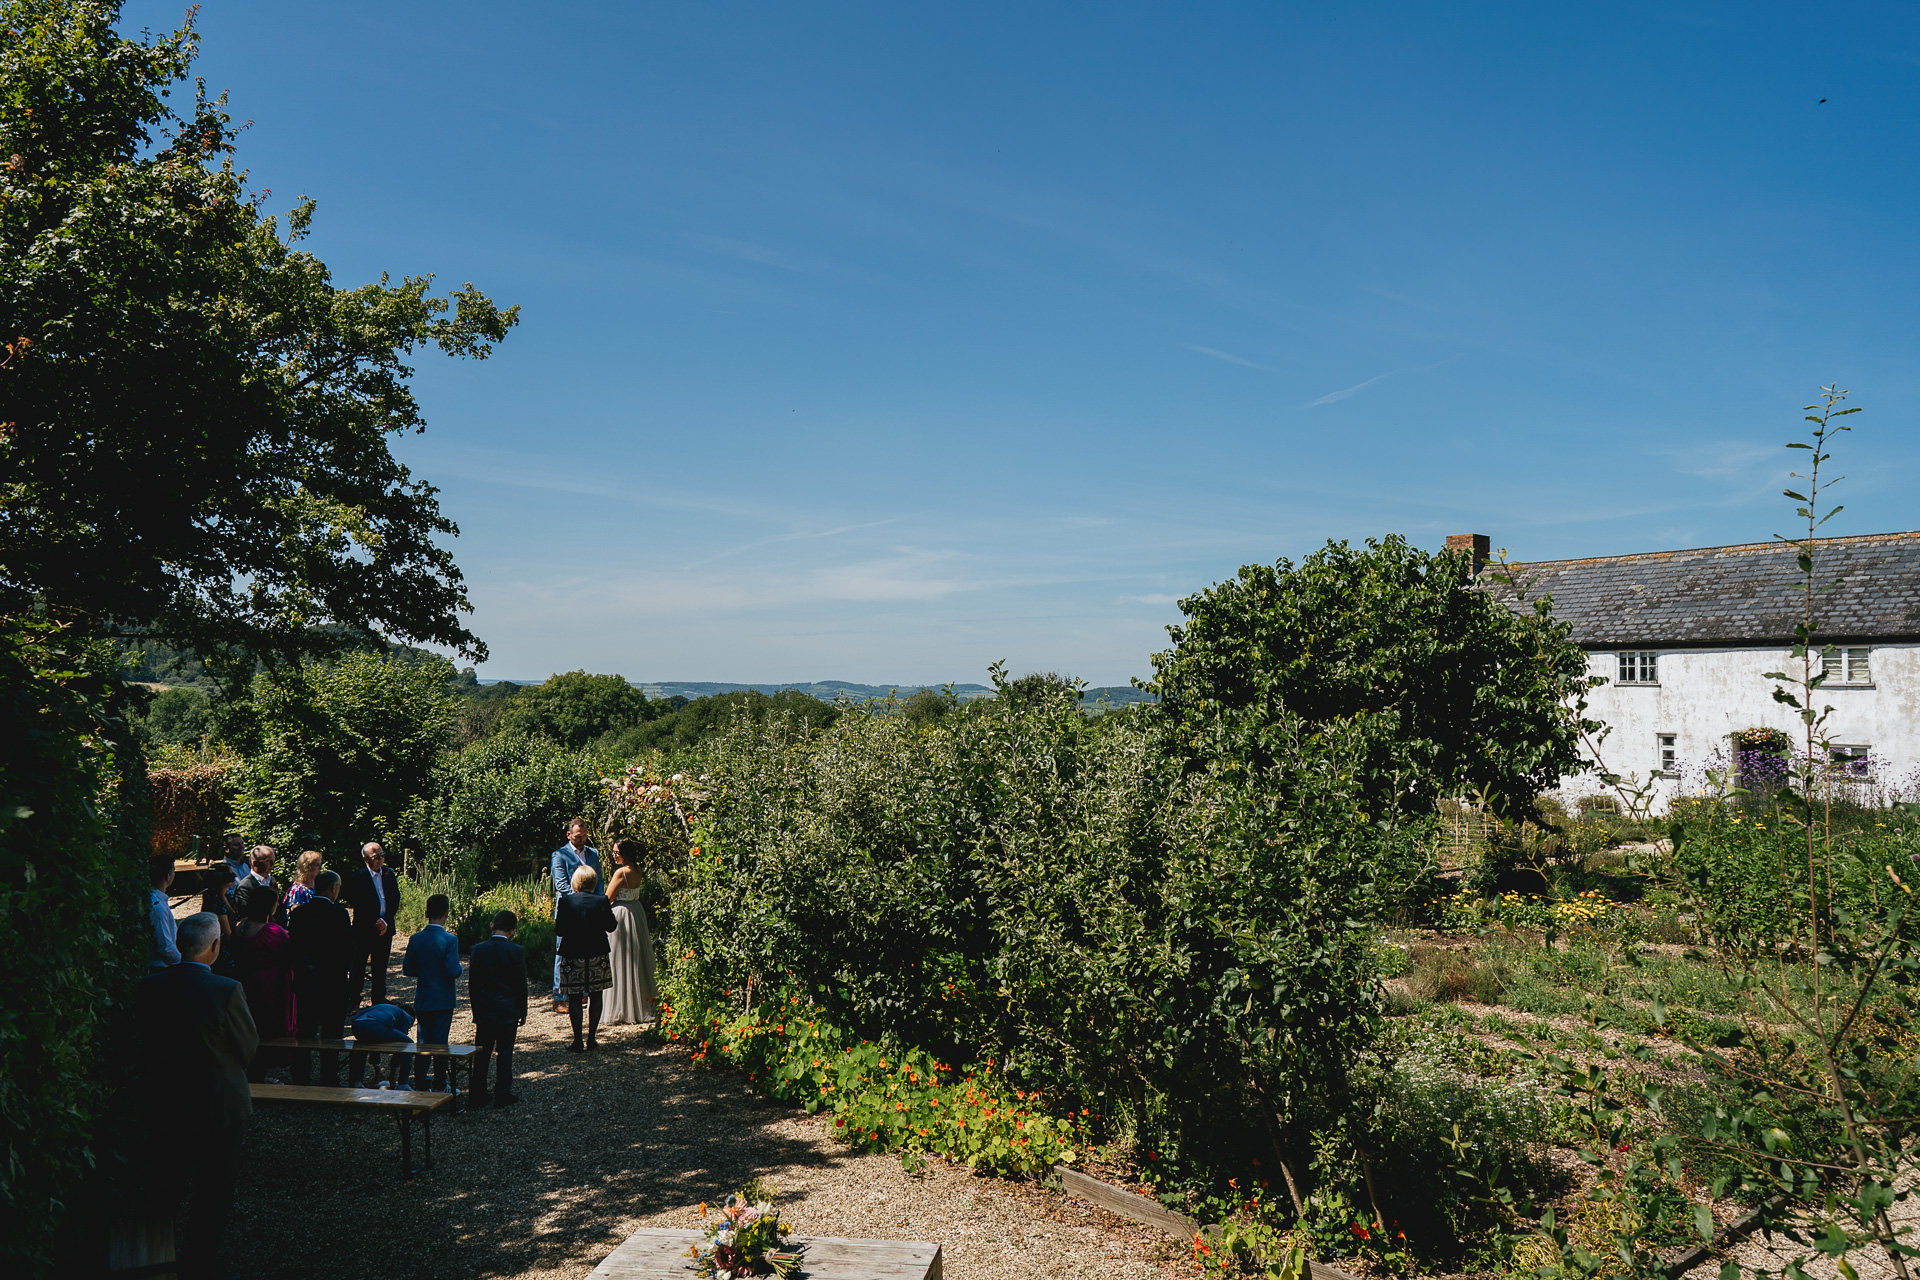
(634, 998)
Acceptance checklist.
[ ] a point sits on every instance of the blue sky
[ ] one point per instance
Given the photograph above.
(878, 342)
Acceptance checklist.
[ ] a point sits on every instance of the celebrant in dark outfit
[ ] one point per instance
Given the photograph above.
(582, 920)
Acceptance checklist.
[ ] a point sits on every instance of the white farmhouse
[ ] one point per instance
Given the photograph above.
(1684, 639)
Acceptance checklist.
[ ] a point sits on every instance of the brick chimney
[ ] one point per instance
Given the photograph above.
(1477, 544)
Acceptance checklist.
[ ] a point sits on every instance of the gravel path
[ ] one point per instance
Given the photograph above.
(632, 1136)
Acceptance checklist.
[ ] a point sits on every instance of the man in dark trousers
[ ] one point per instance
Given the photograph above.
(321, 940)
(373, 891)
(196, 1040)
(497, 990)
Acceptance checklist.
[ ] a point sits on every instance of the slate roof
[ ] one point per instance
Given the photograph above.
(1729, 595)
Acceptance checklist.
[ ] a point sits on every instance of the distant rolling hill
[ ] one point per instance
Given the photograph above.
(1118, 695)
(828, 690)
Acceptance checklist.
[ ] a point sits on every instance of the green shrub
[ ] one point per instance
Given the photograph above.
(176, 718)
(703, 718)
(471, 913)
(333, 753)
(1449, 1136)
(1187, 958)
(531, 900)
(497, 810)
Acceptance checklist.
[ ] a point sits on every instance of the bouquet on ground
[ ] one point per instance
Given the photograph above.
(747, 1240)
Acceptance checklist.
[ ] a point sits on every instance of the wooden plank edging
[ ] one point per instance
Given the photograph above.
(659, 1253)
(1128, 1205)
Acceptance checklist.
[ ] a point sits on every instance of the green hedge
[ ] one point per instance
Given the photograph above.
(73, 850)
(1186, 958)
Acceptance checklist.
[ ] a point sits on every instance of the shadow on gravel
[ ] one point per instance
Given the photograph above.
(628, 1132)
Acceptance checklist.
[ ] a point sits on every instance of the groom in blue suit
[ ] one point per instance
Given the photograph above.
(567, 859)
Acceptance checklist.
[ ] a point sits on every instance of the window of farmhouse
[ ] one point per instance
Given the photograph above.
(1852, 763)
(1639, 666)
(1848, 666)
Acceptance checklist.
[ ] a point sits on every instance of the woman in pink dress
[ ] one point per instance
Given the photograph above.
(265, 961)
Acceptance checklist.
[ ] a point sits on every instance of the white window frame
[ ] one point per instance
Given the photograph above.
(1838, 754)
(1643, 663)
(1666, 748)
(1850, 666)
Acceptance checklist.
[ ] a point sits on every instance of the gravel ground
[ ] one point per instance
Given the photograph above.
(632, 1136)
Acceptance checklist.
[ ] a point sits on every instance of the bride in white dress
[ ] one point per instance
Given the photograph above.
(634, 998)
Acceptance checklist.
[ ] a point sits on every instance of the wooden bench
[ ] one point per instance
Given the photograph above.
(654, 1253)
(403, 1103)
(459, 1056)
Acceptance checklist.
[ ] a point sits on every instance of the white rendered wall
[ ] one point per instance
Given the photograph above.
(1704, 695)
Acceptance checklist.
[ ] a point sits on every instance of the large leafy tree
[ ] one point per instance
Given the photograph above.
(575, 708)
(194, 447)
(335, 752)
(196, 418)
(1455, 694)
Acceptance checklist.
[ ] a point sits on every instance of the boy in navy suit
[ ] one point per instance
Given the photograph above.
(433, 962)
(497, 989)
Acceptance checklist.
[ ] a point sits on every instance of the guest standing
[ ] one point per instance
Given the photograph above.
(433, 962)
(197, 1040)
(161, 950)
(265, 960)
(567, 859)
(259, 877)
(582, 920)
(300, 892)
(373, 891)
(236, 857)
(635, 998)
(497, 990)
(320, 935)
(217, 901)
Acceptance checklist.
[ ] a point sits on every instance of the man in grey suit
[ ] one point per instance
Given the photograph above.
(197, 1040)
(567, 859)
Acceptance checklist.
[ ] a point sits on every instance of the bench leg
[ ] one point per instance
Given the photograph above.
(406, 1142)
(454, 1067)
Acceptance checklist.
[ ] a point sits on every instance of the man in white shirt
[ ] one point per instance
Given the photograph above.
(259, 877)
(373, 893)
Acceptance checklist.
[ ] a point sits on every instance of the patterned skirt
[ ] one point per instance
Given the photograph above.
(585, 976)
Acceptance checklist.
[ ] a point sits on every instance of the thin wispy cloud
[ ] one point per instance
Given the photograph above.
(1740, 461)
(1335, 397)
(800, 536)
(1227, 356)
(1155, 598)
(747, 251)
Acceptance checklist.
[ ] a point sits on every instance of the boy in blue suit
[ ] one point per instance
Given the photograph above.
(382, 1024)
(433, 962)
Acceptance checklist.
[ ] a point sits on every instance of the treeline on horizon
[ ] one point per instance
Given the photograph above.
(606, 713)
